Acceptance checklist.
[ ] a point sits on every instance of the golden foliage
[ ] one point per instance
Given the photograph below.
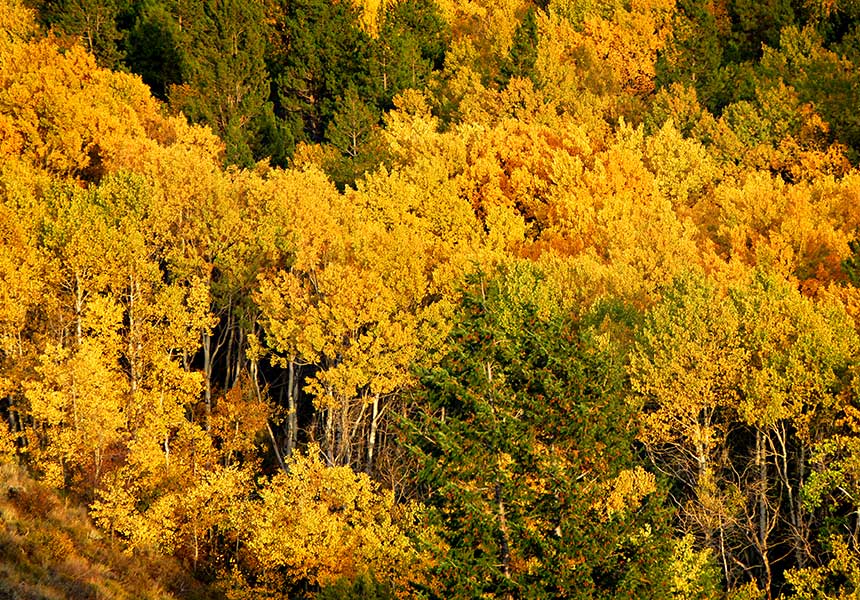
(63, 113)
(625, 493)
(317, 523)
(125, 246)
(17, 24)
(487, 24)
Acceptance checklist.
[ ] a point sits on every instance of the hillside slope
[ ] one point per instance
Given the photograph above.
(50, 550)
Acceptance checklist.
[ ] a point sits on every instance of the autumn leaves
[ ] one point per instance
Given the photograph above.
(578, 334)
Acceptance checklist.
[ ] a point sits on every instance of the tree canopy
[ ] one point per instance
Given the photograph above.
(404, 298)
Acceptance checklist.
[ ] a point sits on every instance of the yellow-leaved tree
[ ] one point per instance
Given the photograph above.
(315, 524)
(736, 387)
(361, 295)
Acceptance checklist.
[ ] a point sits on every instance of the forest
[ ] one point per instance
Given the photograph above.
(436, 299)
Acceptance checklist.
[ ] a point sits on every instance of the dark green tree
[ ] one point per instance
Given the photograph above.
(694, 55)
(352, 126)
(715, 47)
(226, 81)
(523, 55)
(851, 265)
(826, 79)
(412, 43)
(94, 22)
(154, 48)
(354, 131)
(524, 441)
(364, 587)
(756, 23)
(317, 51)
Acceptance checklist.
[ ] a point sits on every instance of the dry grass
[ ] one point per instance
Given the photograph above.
(50, 550)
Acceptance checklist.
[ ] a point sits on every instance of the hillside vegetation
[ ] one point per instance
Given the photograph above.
(451, 299)
(49, 549)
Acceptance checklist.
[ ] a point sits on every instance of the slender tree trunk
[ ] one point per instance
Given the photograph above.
(761, 463)
(98, 460)
(329, 432)
(345, 441)
(11, 416)
(196, 546)
(371, 438)
(359, 422)
(276, 449)
(723, 555)
(79, 309)
(781, 459)
(292, 418)
(274, 440)
(207, 375)
(229, 373)
(240, 354)
(75, 403)
(802, 522)
(503, 527)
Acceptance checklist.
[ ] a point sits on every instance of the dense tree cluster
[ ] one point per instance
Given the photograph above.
(441, 300)
(266, 75)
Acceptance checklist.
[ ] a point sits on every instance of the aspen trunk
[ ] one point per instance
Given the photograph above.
(762, 474)
(803, 553)
(761, 462)
(503, 527)
(207, 376)
(723, 555)
(276, 449)
(795, 508)
(371, 438)
(79, 309)
(292, 417)
(229, 372)
(240, 354)
(329, 433)
(345, 445)
(98, 460)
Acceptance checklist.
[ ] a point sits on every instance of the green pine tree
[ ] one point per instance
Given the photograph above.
(524, 434)
(412, 43)
(523, 55)
(154, 48)
(317, 51)
(94, 22)
(354, 131)
(226, 81)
